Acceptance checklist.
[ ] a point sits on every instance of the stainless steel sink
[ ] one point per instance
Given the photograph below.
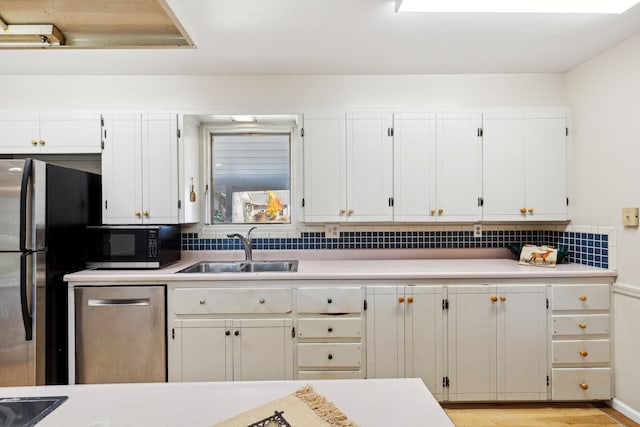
(242, 267)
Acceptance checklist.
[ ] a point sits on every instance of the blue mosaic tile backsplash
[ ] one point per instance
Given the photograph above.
(584, 248)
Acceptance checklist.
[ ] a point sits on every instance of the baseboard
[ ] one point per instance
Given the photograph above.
(625, 409)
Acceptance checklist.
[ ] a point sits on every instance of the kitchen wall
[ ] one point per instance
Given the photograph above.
(604, 94)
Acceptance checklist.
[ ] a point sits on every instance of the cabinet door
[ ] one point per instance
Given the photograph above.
(206, 350)
(423, 336)
(503, 167)
(70, 133)
(369, 167)
(189, 171)
(160, 169)
(385, 332)
(19, 133)
(324, 167)
(262, 349)
(522, 342)
(545, 153)
(414, 167)
(121, 170)
(472, 342)
(458, 177)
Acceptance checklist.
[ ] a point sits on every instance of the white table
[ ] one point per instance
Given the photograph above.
(370, 403)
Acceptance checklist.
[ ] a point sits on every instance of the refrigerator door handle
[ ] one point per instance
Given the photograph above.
(26, 176)
(27, 318)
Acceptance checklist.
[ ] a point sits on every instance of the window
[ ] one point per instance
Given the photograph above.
(250, 178)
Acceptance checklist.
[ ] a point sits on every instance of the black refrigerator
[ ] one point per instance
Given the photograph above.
(44, 210)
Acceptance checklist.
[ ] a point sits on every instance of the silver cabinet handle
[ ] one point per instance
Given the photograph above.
(99, 302)
(262, 300)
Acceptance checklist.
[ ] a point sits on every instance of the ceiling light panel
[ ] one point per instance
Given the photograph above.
(516, 6)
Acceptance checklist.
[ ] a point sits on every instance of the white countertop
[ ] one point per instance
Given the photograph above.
(359, 269)
(370, 403)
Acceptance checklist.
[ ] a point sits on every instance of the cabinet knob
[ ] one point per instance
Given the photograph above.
(440, 211)
(34, 142)
(262, 301)
(583, 298)
(343, 211)
(584, 386)
(503, 298)
(494, 298)
(41, 142)
(202, 302)
(145, 213)
(584, 353)
(330, 356)
(227, 333)
(400, 299)
(530, 210)
(583, 325)
(350, 211)
(523, 210)
(330, 329)
(329, 301)
(236, 333)
(433, 211)
(410, 300)
(137, 213)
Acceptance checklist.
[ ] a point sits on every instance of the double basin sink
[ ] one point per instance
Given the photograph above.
(242, 267)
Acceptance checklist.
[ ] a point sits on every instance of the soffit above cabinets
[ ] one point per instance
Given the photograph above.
(89, 24)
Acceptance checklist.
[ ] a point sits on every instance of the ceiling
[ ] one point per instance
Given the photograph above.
(249, 37)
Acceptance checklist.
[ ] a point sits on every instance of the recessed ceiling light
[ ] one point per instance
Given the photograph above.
(516, 6)
(243, 118)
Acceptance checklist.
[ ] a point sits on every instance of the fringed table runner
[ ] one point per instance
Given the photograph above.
(304, 408)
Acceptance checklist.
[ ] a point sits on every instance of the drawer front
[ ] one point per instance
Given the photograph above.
(588, 324)
(595, 351)
(329, 300)
(583, 297)
(330, 328)
(230, 301)
(311, 355)
(581, 384)
(330, 375)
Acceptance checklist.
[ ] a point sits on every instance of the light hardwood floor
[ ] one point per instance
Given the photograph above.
(536, 415)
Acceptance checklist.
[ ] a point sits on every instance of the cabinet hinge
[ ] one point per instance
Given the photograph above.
(178, 133)
(102, 145)
(101, 121)
(480, 132)
(106, 204)
(391, 202)
(566, 131)
(365, 305)
(179, 204)
(547, 304)
(389, 131)
(567, 201)
(303, 203)
(445, 381)
(548, 382)
(293, 332)
(302, 132)
(173, 333)
(445, 304)
(480, 201)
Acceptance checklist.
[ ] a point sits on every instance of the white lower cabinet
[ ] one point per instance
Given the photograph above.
(404, 334)
(497, 342)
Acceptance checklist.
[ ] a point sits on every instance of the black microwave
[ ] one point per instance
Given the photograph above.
(132, 246)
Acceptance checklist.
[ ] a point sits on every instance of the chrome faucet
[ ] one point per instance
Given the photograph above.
(246, 242)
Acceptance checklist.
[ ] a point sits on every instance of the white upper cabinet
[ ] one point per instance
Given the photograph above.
(49, 133)
(525, 167)
(140, 169)
(348, 161)
(437, 167)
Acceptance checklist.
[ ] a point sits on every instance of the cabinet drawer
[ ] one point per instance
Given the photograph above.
(581, 384)
(330, 328)
(581, 351)
(583, 297)
(329, 300)
(339, 355)
(229, 301)
(330, 375)
(588, 324)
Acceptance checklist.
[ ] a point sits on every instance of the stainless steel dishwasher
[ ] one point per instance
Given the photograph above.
(120, 334)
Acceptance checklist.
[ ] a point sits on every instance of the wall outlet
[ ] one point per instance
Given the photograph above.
(332, 231)
(630, 217)
(477, 230)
